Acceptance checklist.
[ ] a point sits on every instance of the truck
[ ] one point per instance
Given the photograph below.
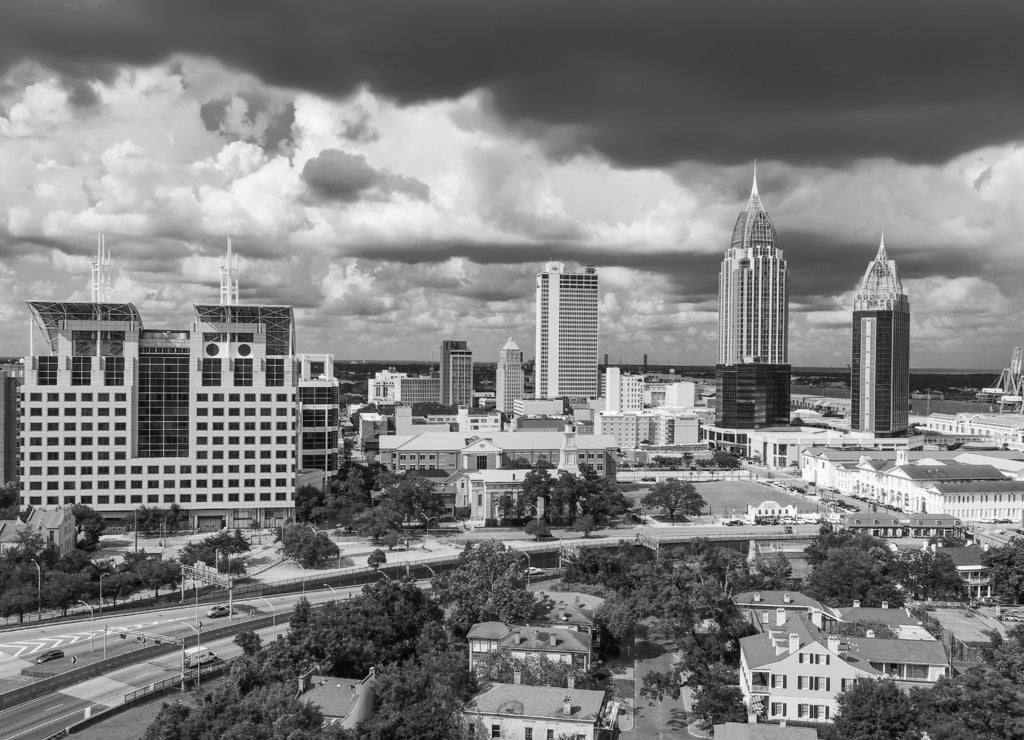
(199, 655)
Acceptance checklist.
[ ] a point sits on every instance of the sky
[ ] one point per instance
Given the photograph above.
(399, 171)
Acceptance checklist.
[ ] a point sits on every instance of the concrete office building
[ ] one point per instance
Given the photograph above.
(10, 381)
(623, 394)
(509, 378)
(566, 348)
(389, 387)
(116, 415)
(880, 366)
(456, 373)
(319, 416)
(752, 374)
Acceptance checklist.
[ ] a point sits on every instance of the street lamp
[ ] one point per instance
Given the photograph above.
(333, 589)
(273, 614)
(102, 576)
(91, 635)
(303, 578)
(39, 592)
(198, 629)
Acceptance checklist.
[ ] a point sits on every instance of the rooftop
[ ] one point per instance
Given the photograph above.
(539, 639)
(546, 702)
(964, 557)
(455, 441)
(743, 731)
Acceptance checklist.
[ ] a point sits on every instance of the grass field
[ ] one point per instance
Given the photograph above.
(732, 497)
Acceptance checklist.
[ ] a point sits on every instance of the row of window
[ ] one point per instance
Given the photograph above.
(72, 411)
(152, 498)
(121, 485)
(155, 470)
(74, 397)
(265, 454)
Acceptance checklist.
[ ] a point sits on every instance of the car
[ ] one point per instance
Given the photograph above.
(221, 610)
(49, 655)
(647, 480)
(735, 523)
(534, 571)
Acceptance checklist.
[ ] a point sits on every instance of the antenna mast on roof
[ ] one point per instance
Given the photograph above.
(101, 272)
(229, 279)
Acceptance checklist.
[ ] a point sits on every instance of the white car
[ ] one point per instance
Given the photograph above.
(535, 571)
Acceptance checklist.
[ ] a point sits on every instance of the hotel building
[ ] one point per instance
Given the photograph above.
(566, 359)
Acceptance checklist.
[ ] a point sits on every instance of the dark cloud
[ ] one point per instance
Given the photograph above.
(646, 83)
(337, 175)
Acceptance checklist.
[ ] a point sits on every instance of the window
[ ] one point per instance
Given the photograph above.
(495, 731)
(113, 371)
(211, 371)
(243, 371)
(527, 733)
(47, 372)
(81, 370)
(778, 681)
(275, 372)
(778, 709)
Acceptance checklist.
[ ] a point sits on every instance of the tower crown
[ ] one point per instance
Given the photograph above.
(753, 226)
(880, 288)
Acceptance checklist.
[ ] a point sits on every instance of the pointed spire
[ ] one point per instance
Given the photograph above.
(753, 189)
(882, 256)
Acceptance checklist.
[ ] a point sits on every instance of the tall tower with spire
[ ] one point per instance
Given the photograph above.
(880, 366)
(753, 310)
(752, 375)
(509, 378)
(229, 278)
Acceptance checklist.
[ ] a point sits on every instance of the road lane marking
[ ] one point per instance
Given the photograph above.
(49, 722)
(54, 707)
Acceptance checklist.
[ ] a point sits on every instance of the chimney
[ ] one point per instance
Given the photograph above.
(552, 639)
(517, 677)
(571, 682)
(567, 706)
(786, 598)
(757, 596)
(794, 642)
(833, 644)
(869, 633)
(885, 604)
(780, 617)
(856, 603)
(816, 617)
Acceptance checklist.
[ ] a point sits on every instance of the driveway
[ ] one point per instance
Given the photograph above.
(664, 719)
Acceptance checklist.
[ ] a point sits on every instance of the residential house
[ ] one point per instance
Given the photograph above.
(560, 644)
(342, 701)
(519, 712)
(969, 564)
(55, 525)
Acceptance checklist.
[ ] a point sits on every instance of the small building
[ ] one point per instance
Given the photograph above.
(972, 570)
(55, 525)
(508, 710)
(771, 510)
(559, 644)
(876, 524)
(343, 701)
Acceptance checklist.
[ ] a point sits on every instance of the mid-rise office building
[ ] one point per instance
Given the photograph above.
(880, 366)
(116, 415)
(10, 383)
(456, 373)
(753, 313)
(566, 348)
(390, 387)
(509, 378)
(623, 394)
(319, 398)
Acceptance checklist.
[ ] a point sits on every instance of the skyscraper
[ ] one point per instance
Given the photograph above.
(880, 367)
(753, 314)
(509, 376)
(566, 363)
(456, 373)
(753, 311)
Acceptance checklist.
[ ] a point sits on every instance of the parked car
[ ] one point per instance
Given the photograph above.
(49, 655)
(535, 571)
(735, 523)
(221, 610)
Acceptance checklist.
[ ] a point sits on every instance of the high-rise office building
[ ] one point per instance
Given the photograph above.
(10, 382)
(566, 359)
(880, 367)
(509, 378)
(753, 316)
(456, 373)
(116, 415)
(753, 310)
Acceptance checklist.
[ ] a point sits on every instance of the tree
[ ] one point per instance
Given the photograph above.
(309, 548)
(377, 558)
(1006, 568)
(488, 584)
(725, 460)
(307, 500)
(537, 486)
(412, 496)
(873, 710)
(63, 590)
(773, 573)
(675, 496)
(10, 499)
(586, 524)
(90, 526)
(537, 529)
(377, 521)
(850, 574)
(249, 641)
(534, 670)
(717, 697)
(928, 575)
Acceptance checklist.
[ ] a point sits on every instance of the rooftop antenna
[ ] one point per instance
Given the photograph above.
(229, 279)
(101, 272)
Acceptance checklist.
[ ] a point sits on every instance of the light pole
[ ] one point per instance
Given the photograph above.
(39, 591)
(91, 633)
(102, 576)
(273, 615)
(333, 589)
(303, 578)
(199, 666)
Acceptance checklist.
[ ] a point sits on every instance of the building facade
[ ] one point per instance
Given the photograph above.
(116, 415)
(10, 382)
(566, 348)
(752, 374)
(456, 373)
(623, 393)
(319, 416)
(509, 379)
(880, 363)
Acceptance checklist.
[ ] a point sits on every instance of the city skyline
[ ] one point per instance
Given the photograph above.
(402, 192)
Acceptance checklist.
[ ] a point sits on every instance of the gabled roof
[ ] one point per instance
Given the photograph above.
(977, 486)
(923, 652)
(933, 520)
(488, 631)
(963, 557)
(538, 639)
(869, 519)
(774, 599)
(951, 471)
(537, 701)
(9, 528)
